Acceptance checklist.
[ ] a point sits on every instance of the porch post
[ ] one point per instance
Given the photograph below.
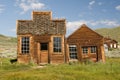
(67, 53)
(102, 53)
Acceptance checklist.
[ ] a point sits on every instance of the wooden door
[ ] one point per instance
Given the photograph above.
(43, 52)
(93, 53)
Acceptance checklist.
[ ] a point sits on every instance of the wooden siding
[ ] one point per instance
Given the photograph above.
(85, 37)
(58, 57)
(41, 24)
(38, 56)
(42, 29)
(23, 58)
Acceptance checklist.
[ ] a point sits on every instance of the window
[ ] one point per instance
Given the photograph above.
(111, 46)
(73, 51)
(44, 46)
(25, 45)
(57, 44)
(115, 46)
(85, 50)
(93, 49)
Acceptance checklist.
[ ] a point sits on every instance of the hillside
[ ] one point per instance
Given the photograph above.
(8, 46)
(113, 33)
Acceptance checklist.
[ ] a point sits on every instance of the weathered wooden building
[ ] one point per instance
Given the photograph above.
(42, 40)
(84, 44)
(110, 43)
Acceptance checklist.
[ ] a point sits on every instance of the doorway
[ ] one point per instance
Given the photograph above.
(44, 53)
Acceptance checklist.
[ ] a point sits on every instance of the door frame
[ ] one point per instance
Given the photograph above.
(40, 53)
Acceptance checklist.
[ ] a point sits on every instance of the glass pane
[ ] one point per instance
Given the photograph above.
(85, 50)
(73, 51)
(44, 46)
(57, 44)
(93, 49)
(25, 45)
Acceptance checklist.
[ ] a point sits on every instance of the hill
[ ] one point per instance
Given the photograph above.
(8, 46)
(113, 33)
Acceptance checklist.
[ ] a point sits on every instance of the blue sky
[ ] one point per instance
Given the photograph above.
(94, 13)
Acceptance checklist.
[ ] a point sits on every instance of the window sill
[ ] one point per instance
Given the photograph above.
(92, 53)
(73, 60)
(57, 53)
(44, 50)
(24, 54)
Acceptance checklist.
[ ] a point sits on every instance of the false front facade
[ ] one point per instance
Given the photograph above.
(41, 39)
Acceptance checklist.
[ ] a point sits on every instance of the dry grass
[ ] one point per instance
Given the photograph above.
(75, 71)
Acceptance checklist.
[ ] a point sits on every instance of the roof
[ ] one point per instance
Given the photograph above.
(84, 31)
(109, 40)
(41, 24)
(41, 12)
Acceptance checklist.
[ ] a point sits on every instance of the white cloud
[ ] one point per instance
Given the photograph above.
(72, 26)
(109, 23)
(27, 5)
(117, 7)
(75, 24)
(91, 4)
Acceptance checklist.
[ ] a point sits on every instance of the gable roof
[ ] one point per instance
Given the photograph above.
(109, 40)
(84, 32)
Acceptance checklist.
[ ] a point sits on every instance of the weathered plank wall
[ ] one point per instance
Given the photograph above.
(41, 24)
(84, 36)
(42, 28)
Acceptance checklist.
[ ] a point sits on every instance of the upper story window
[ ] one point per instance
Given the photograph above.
(73, 51)
(25, 46)
(57, 44)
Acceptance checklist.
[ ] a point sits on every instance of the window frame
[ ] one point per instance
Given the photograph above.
(45, 45)
(57, 44)
(85, 50)
(93, 49)
(25, 45)
(73, 52)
